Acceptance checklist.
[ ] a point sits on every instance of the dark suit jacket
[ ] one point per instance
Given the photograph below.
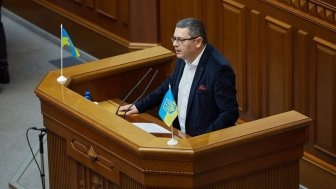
(212, 103)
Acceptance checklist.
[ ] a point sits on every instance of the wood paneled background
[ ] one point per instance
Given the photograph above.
(284, 56)
(283, 53)
(131, 23)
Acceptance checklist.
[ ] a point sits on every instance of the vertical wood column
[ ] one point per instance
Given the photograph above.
(57, 160)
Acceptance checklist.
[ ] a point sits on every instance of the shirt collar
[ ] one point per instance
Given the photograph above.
(197, 59)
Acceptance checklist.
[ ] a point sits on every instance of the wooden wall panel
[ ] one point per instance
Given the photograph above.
(107, 8)
(278, 66)
(302, 76)
(124, 13)
(143, 17)
(131, 23)
(232, 41)
(301, 79)
(255, 61)
(211, 11)
(325, 94)
(186, 8)
(107, 14)
(89, 3)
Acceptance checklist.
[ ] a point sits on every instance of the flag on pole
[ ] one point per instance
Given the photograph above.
(67, 41)
(168, 108)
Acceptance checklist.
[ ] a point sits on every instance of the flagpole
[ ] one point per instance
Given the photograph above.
(61, 52)
(61, 79)
(172, 141)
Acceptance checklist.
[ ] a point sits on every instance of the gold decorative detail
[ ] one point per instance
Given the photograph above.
(296, 3)
(96, 182)
(321, 12)
(92, 154)
(303, 5)
(312, 8)
(81, 183)
(329, 16)
(318, 9)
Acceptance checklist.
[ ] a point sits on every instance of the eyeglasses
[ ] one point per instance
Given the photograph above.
(180, 40)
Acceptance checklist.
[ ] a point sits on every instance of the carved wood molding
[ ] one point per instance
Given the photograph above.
(313, 10)
(319, 163)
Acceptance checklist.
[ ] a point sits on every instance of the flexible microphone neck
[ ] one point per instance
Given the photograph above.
(149, 83)
(130, 92)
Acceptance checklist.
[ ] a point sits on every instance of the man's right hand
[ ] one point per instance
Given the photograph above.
(128, 110)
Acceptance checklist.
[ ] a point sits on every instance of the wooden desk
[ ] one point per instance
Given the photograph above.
(112, 106)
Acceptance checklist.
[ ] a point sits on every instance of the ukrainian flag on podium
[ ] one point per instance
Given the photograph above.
(168, 108)
(66, 41)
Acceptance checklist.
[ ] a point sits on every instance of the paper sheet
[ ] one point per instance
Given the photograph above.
(151, 128)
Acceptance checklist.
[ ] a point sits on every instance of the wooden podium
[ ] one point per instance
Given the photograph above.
(89, 146)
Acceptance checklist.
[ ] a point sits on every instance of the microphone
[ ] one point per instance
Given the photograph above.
(141, 93)
(39, 129)
(130, 92)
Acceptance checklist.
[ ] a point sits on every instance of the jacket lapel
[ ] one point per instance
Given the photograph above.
(198, 75)
(180, 69)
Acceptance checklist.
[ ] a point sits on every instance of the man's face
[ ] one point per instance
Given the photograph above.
(185, 49)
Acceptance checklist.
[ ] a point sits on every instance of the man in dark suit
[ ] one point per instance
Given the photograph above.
(4, 76)
(203, 84)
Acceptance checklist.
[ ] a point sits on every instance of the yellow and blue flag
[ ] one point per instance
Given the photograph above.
(65, 40)
(168, 109)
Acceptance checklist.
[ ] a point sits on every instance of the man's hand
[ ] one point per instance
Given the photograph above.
(130, 111)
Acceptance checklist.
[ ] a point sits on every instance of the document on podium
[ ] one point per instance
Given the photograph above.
(151, 128)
